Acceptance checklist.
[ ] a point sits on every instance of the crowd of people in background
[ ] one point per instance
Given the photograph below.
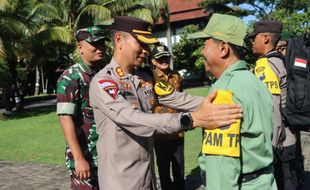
(113, 118)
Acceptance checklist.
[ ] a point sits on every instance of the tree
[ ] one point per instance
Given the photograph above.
(149, 10)
(82, 13)
(45, 25)
(187, 51)
(25, 25)
(85, 12)
(293, 14)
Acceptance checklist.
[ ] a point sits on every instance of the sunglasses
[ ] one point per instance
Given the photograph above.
(281, 48)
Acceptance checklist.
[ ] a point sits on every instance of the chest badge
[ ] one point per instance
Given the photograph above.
(163, 88)
(120, 72)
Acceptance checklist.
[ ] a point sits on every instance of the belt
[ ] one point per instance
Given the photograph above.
(253, 175)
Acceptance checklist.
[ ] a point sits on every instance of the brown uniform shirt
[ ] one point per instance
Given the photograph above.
(175, 79)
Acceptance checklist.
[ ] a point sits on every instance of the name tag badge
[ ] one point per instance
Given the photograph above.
(224, 141)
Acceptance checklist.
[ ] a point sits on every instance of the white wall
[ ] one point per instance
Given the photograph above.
(163, 38)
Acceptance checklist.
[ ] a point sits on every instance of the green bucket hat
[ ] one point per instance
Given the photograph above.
(224, 27)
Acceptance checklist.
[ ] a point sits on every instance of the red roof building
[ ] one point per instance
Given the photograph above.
(182, 13)
(184, 10)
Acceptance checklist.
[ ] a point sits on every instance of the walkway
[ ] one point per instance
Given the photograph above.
(27, 176)
(22, 176)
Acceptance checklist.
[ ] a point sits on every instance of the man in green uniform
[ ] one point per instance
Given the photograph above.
(74, 112)
(237, 156)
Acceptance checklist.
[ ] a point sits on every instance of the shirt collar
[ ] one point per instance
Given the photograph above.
(270, 52)
(86, 68)
(160, 73)
(239, 65)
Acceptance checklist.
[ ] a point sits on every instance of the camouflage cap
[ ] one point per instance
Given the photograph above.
(224, 27)
(139, 29)
(92, 33)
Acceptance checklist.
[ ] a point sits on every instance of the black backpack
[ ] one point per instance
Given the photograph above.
(297, 63)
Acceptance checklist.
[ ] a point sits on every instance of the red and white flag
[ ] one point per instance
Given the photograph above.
(300, 62)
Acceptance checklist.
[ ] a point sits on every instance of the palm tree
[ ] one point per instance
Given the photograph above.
(82, 13)
(26, 25)
(149, 10)
(43, 23)
(77, 12)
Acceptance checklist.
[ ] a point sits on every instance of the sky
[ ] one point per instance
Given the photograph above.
(247, 19)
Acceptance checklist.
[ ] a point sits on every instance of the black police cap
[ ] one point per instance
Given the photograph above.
(139, 29)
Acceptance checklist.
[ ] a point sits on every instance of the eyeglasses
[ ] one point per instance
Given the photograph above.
(281, 48)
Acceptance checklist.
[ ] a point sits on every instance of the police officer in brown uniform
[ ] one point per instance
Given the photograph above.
(270, 69)
(123, 97)
(169, 149)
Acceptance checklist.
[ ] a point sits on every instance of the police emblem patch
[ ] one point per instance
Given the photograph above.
(260, 73)
(110, 87)
(163, 88)
(160, 49)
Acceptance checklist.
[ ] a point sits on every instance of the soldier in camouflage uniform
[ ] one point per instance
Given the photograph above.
(169, 149)
(74, 112)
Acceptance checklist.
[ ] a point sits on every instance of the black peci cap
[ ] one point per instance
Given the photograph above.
(271, 26)
(139, 29)
(160, 51)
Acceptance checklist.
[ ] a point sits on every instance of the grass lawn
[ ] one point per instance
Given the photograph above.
(33, 136)
(36, 136)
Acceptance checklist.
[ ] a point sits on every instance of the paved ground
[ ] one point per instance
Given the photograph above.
(28, 176)
(22, 176)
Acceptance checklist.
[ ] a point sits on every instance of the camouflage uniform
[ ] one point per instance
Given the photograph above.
(169, 148)
(73, 99)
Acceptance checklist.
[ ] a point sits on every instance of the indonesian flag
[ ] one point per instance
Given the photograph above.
(300, 63)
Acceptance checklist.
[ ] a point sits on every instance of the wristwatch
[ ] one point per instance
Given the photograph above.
(186, 121)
